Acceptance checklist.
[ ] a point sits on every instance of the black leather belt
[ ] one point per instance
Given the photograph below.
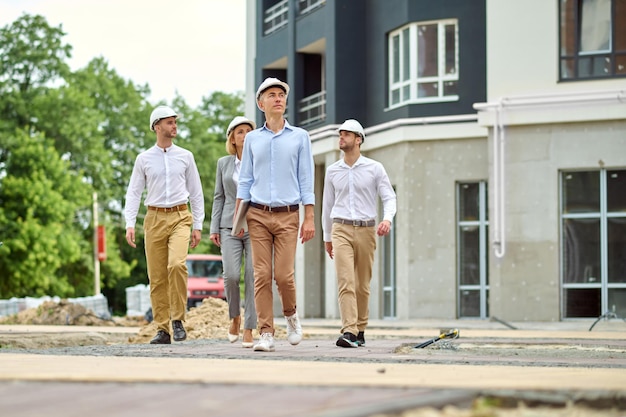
(358, 223)
(294, 207)
(180, 207)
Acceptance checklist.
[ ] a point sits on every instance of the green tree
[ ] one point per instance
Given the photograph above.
(39, 199)
(91, 124)
(203, 132)
(104, 127)
(94, 118)
(32, 57)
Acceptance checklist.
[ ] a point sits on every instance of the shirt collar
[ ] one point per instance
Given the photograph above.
(359, 161)
(287, 126)
(164, 149)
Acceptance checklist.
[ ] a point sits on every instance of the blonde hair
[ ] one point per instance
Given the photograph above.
(231, 148)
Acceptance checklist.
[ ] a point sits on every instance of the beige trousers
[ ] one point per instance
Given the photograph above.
(167, 238)
(353, 248)
(274, 237)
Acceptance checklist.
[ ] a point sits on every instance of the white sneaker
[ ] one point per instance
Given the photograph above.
(266, 343)
(294, 329)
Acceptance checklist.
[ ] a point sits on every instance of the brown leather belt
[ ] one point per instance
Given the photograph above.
(294, 207)
(181, 207)
(357, 223)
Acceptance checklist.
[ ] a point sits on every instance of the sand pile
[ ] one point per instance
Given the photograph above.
(61, 313)
(209, 320)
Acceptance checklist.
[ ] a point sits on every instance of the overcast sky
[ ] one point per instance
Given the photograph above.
(194, 47)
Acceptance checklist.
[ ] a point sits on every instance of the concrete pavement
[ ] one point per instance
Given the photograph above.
(315, 378)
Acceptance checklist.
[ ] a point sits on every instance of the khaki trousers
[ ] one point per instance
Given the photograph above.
(167, 238)
(353, 248)
(274, 238)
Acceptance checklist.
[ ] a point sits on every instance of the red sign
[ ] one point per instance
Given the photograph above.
(102, 247)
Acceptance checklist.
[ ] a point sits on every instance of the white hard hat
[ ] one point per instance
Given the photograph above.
(271, 82)
(239, 120)
(161, 112)
(352, 125)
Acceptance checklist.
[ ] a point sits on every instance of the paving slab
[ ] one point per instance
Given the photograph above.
(315, 378)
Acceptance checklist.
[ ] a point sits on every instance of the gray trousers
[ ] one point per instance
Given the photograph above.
(234, 250)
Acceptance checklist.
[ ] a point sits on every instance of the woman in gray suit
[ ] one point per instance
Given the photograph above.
(234, 248)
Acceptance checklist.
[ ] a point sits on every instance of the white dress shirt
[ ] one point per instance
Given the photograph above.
(237, 170)
(171, 177)
(350, 193)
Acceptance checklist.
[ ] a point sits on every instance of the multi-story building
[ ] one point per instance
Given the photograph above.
(502, 126)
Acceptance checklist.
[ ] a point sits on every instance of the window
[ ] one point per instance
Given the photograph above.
(424, 63)
(593, 39)
(307, 6)
(472, 253)
(593, 223)
(204, 268)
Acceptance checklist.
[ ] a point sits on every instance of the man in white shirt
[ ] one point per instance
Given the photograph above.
(170, 175)
(351, 190)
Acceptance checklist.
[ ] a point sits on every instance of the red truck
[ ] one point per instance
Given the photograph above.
(206, 278)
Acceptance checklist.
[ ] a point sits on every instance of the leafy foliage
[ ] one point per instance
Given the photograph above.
(65, 136)
(40, 197)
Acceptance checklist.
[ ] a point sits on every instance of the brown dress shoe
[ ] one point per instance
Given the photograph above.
(179, 331)
(161, 338)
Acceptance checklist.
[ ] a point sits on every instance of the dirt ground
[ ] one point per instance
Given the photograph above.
(207, 321)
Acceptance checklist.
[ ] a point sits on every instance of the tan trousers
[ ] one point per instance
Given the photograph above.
(353, 248)
(274, 238)
(167, 238)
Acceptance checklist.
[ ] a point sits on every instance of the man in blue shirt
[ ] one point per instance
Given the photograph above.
(277, 174)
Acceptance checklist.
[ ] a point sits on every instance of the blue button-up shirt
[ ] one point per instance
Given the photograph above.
(277, 169)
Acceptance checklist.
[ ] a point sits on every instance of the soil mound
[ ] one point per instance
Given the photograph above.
(61, 313)
(209, 320)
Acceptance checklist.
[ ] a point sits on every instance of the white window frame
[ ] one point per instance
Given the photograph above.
(411, 80)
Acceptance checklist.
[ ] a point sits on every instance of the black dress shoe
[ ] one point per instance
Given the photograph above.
(179, 331)
(360, 339)
(161, 338)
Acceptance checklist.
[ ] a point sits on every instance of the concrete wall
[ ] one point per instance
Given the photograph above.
(525, 283)
(425, 173)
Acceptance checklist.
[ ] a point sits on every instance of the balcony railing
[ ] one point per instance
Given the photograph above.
(276, 17)
(306, 6)
(312, 108)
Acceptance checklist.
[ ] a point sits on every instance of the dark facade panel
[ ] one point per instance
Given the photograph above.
(313, 26)
(347, 68)
(386, 16)
(271, 48)
(354, 68)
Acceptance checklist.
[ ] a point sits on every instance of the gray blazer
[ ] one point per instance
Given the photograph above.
(225, 195)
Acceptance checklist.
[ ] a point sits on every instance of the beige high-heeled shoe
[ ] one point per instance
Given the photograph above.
(248, 340)
(233, 332)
